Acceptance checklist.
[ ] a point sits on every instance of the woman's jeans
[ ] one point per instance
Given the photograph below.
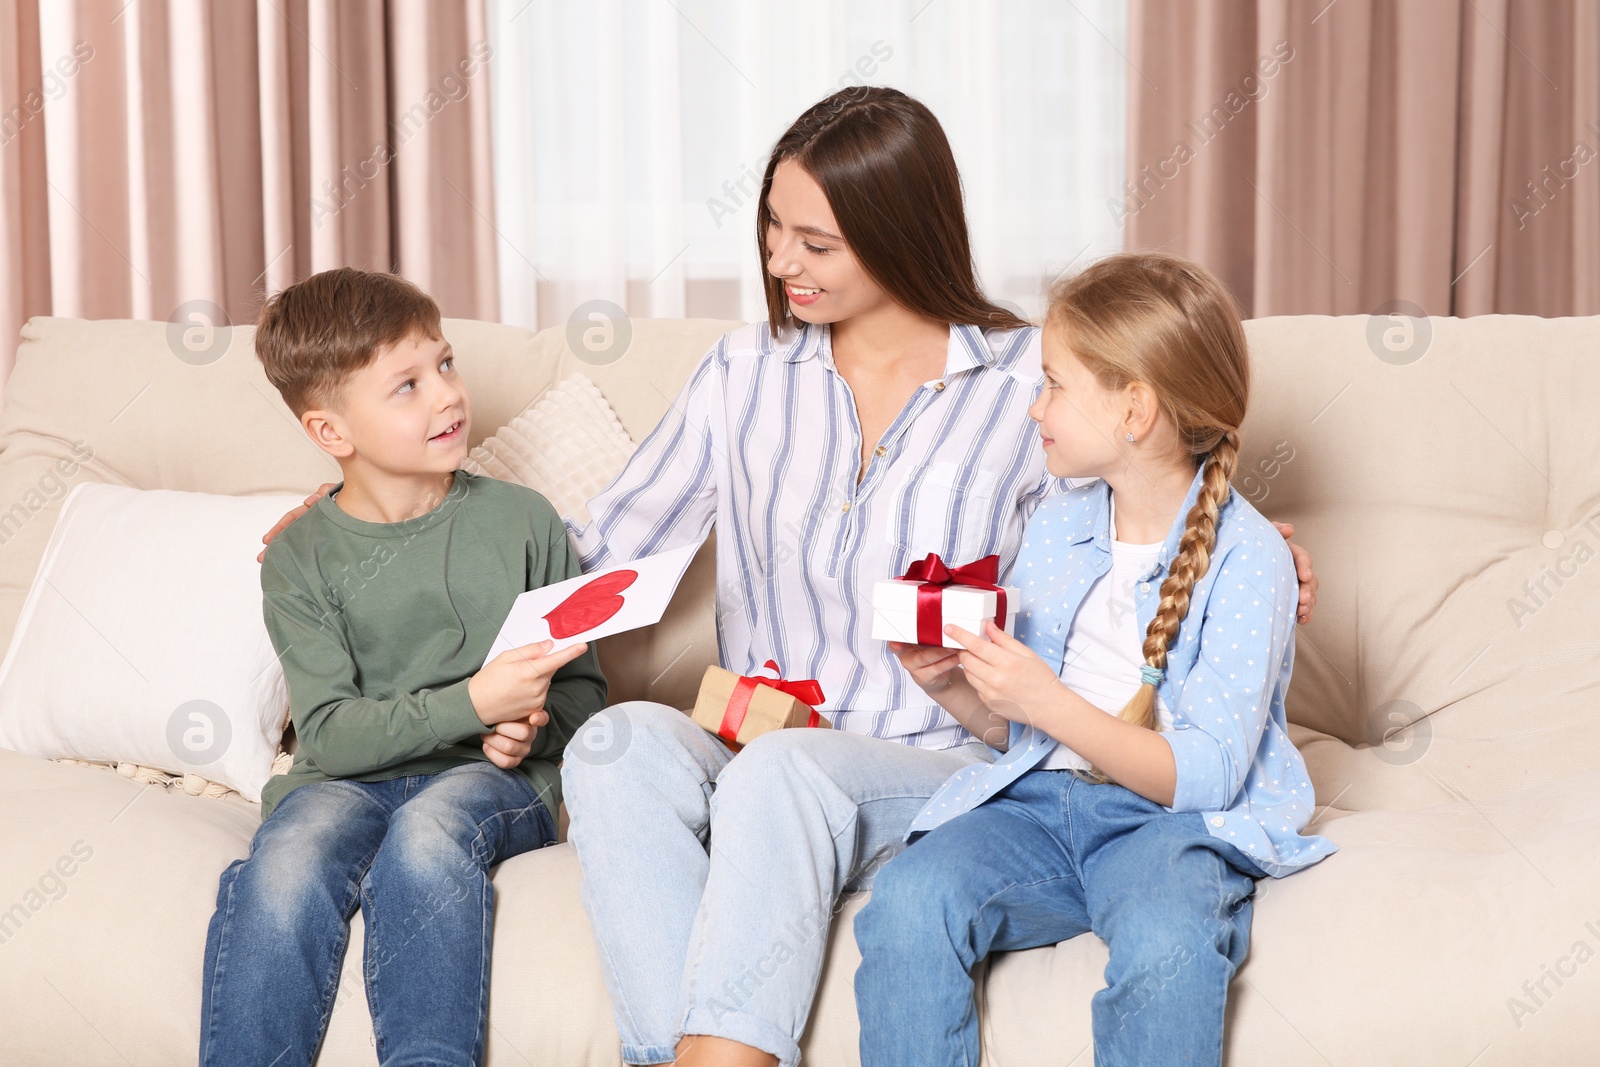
(414, 853)
(1048, 858)
(710, 880)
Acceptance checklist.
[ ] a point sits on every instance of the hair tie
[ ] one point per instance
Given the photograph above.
(1149, 675)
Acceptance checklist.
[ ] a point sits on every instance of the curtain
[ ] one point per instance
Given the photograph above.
(179, 159)
(630, 137)
(24, 237)
(1337, 158)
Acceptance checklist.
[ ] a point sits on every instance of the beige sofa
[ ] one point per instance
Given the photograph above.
(1452, 501)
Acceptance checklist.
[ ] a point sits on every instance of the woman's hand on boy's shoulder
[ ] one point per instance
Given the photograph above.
(291, 515)
(1302, 569)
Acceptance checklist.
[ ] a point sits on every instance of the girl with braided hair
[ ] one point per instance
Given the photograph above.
(1145, 777)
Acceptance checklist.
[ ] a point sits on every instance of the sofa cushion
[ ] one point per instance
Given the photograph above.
(1415, 944)
(567, 445)
(1422, 938)
(142, 638)
(107, 967)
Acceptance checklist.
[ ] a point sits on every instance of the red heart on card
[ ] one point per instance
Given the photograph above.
(591, 605)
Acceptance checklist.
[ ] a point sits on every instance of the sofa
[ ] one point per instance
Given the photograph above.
(1445, 473)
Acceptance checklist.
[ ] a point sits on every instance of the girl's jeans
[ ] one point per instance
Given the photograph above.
(1048, 858)
(710, 880)
(414, 853)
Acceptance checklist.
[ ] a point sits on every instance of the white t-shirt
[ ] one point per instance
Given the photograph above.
(1105, 645)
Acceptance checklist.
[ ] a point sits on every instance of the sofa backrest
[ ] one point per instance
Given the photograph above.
(1444, 473)
(144, 404)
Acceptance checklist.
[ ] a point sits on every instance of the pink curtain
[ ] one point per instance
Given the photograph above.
(24, 234)
(1328, 158)
(167, 158)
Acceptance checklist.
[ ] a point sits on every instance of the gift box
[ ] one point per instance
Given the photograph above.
(916, 607)
(740, 708)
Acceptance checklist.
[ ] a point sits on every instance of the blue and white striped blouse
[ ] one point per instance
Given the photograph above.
(764, 442)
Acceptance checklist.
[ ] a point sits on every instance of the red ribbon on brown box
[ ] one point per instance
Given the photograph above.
(808, 691)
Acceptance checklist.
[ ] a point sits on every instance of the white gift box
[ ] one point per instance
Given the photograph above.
(894, 610)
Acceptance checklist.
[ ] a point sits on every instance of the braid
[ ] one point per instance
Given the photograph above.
(1194, 556)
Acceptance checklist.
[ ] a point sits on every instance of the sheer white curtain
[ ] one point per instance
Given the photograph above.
(630, 135)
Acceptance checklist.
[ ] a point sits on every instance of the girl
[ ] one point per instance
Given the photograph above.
(1174, 601)
(877, 414)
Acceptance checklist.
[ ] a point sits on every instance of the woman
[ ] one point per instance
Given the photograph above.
(879, 414)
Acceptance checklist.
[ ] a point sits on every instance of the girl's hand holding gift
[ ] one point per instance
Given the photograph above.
(1007, 675)
(1015, 684)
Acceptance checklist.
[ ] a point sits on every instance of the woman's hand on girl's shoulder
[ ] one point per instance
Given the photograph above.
(1302, 569)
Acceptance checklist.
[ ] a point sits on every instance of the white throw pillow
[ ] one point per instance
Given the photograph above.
(568, 444)
(142, 639)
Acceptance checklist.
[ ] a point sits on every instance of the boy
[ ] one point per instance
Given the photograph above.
(416, 770)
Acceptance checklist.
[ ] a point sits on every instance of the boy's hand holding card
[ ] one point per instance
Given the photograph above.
(512, 686)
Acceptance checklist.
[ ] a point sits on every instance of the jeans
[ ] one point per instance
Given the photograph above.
(1050, 857)
(710, 880)
(414, 853)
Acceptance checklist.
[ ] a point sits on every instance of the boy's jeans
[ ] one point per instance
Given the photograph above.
(1050, 857)
(710, 879)
(414, 853)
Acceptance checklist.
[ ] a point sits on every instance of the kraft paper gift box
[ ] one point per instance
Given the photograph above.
(740, 708)
(967, 596)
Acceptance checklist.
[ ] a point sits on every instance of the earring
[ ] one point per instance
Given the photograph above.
(1130, 437)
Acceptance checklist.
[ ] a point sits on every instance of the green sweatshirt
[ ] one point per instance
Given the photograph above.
(380, 625)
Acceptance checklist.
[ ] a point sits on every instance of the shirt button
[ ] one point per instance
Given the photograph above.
(846, 507)
(1144, 587)
(938, 387)
(1216, 821)
(880, 451)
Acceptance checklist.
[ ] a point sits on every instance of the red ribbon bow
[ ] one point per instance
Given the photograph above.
(807, 692)
(935, 576)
